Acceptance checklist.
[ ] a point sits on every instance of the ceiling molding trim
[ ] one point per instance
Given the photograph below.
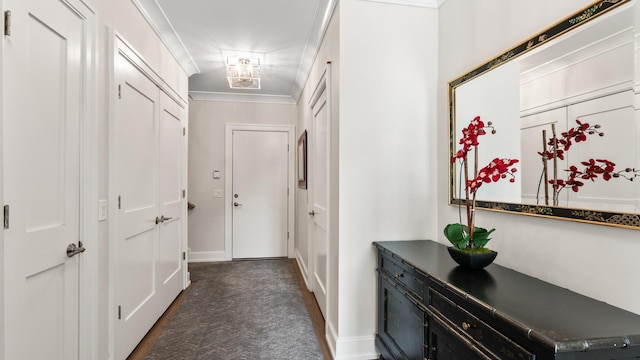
(242, 98)
(420, 3)
(157, 19)
(318, 30)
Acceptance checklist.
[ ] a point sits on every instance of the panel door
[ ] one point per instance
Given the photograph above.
(172, 204)
(43, 99)
(260, 194)
(135, 130)
(318, 226)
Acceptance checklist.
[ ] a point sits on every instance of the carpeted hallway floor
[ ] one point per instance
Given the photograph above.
(240, 310)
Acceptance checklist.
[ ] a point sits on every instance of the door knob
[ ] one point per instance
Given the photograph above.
(236, 204)
(312, 213)
(73, 250)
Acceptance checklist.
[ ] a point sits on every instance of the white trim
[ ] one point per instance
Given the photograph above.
(354, 348)
(303, 269)
(419, 3)
(207, 256)
(241, 97)
(228, 183)
(89, 289)
(331, 335)
(2, 276)
(157, 19)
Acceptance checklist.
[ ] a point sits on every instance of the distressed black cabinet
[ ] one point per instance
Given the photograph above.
(430, 308)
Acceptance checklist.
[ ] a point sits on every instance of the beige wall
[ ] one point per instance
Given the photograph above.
(590, 259)
(207, 121)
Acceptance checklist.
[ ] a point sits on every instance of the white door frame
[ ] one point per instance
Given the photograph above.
(323, 85)
(228, 183)
(88, 262)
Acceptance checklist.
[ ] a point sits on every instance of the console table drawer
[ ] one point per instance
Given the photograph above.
(477, 330)
(403, 274)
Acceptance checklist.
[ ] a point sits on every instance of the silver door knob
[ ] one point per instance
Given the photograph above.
(73, 250)
(236, 204)
(312, 213)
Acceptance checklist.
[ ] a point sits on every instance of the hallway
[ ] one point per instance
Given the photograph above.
(239, 310)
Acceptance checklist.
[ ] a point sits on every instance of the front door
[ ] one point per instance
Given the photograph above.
(260, 194)
(43, 106)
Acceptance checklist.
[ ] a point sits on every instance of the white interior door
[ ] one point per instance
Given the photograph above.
(135, 132)
(172, 203)
(43, 99)
(260, 194)
(319, 186)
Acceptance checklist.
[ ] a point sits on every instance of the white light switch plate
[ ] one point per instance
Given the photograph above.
(217, 193)
(102, 210)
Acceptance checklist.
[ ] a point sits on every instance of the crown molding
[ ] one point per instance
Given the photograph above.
(420, 3)
(157, 19)
(248, 98)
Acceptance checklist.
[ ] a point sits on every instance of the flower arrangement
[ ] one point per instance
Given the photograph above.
(556, 148)
(467, 236)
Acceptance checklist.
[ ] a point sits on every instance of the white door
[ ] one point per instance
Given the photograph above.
(318, 177)
(172, 203)
(260, 194)
(135, 131)
(43, 99)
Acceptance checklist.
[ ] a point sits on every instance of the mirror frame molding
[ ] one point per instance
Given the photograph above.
(617, 219)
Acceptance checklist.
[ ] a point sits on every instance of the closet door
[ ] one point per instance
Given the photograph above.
(171, 198)
(135, 166)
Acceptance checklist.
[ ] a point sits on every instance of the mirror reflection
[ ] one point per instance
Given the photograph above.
(565, 108)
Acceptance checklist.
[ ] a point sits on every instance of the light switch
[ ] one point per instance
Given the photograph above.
(102, 210)
(217, 193)
(216, 174)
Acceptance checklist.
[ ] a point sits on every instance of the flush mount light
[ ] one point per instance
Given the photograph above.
(243, 72)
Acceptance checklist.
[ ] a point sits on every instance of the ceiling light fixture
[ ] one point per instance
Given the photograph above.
(243, 73)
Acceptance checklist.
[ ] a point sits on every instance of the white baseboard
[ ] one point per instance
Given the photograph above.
(304, 269)
(331, 336)
(207, 256)
(356, 348)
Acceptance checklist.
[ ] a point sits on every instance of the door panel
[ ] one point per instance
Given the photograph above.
(319, 201)
(260, 180)
(43, 64)
(170, 261)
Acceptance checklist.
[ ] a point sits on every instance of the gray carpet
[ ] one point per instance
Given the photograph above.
(240, 310)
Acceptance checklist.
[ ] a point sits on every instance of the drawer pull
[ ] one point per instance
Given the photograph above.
(467, 326)
(400, 275)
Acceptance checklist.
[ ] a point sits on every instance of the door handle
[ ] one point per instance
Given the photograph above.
(236, 204)
(312, 213)
(73, 250)
(162, 219)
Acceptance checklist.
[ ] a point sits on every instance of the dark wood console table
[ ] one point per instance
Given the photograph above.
(430, 308)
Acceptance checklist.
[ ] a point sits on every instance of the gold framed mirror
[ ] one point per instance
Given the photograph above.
(574, 82)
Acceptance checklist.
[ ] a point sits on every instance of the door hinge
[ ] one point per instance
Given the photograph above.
(184, 255)
(6, 216)
(7, 23)
(119, 312)
(184, 193)
(119, 91)
(119, 202)
(184, 131)
(287, 234)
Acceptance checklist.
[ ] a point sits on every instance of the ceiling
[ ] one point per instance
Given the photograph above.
(286, 34)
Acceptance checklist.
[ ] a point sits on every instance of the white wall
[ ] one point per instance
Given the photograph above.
(207, 121)
(388, 129)
(594, 260)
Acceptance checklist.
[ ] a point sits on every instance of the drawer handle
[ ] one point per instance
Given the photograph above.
(400, 275)
(467, 326)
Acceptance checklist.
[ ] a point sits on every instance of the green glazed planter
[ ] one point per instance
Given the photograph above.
(471, 261)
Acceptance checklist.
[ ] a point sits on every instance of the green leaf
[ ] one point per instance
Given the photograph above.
(456, 235)
(481, 236)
